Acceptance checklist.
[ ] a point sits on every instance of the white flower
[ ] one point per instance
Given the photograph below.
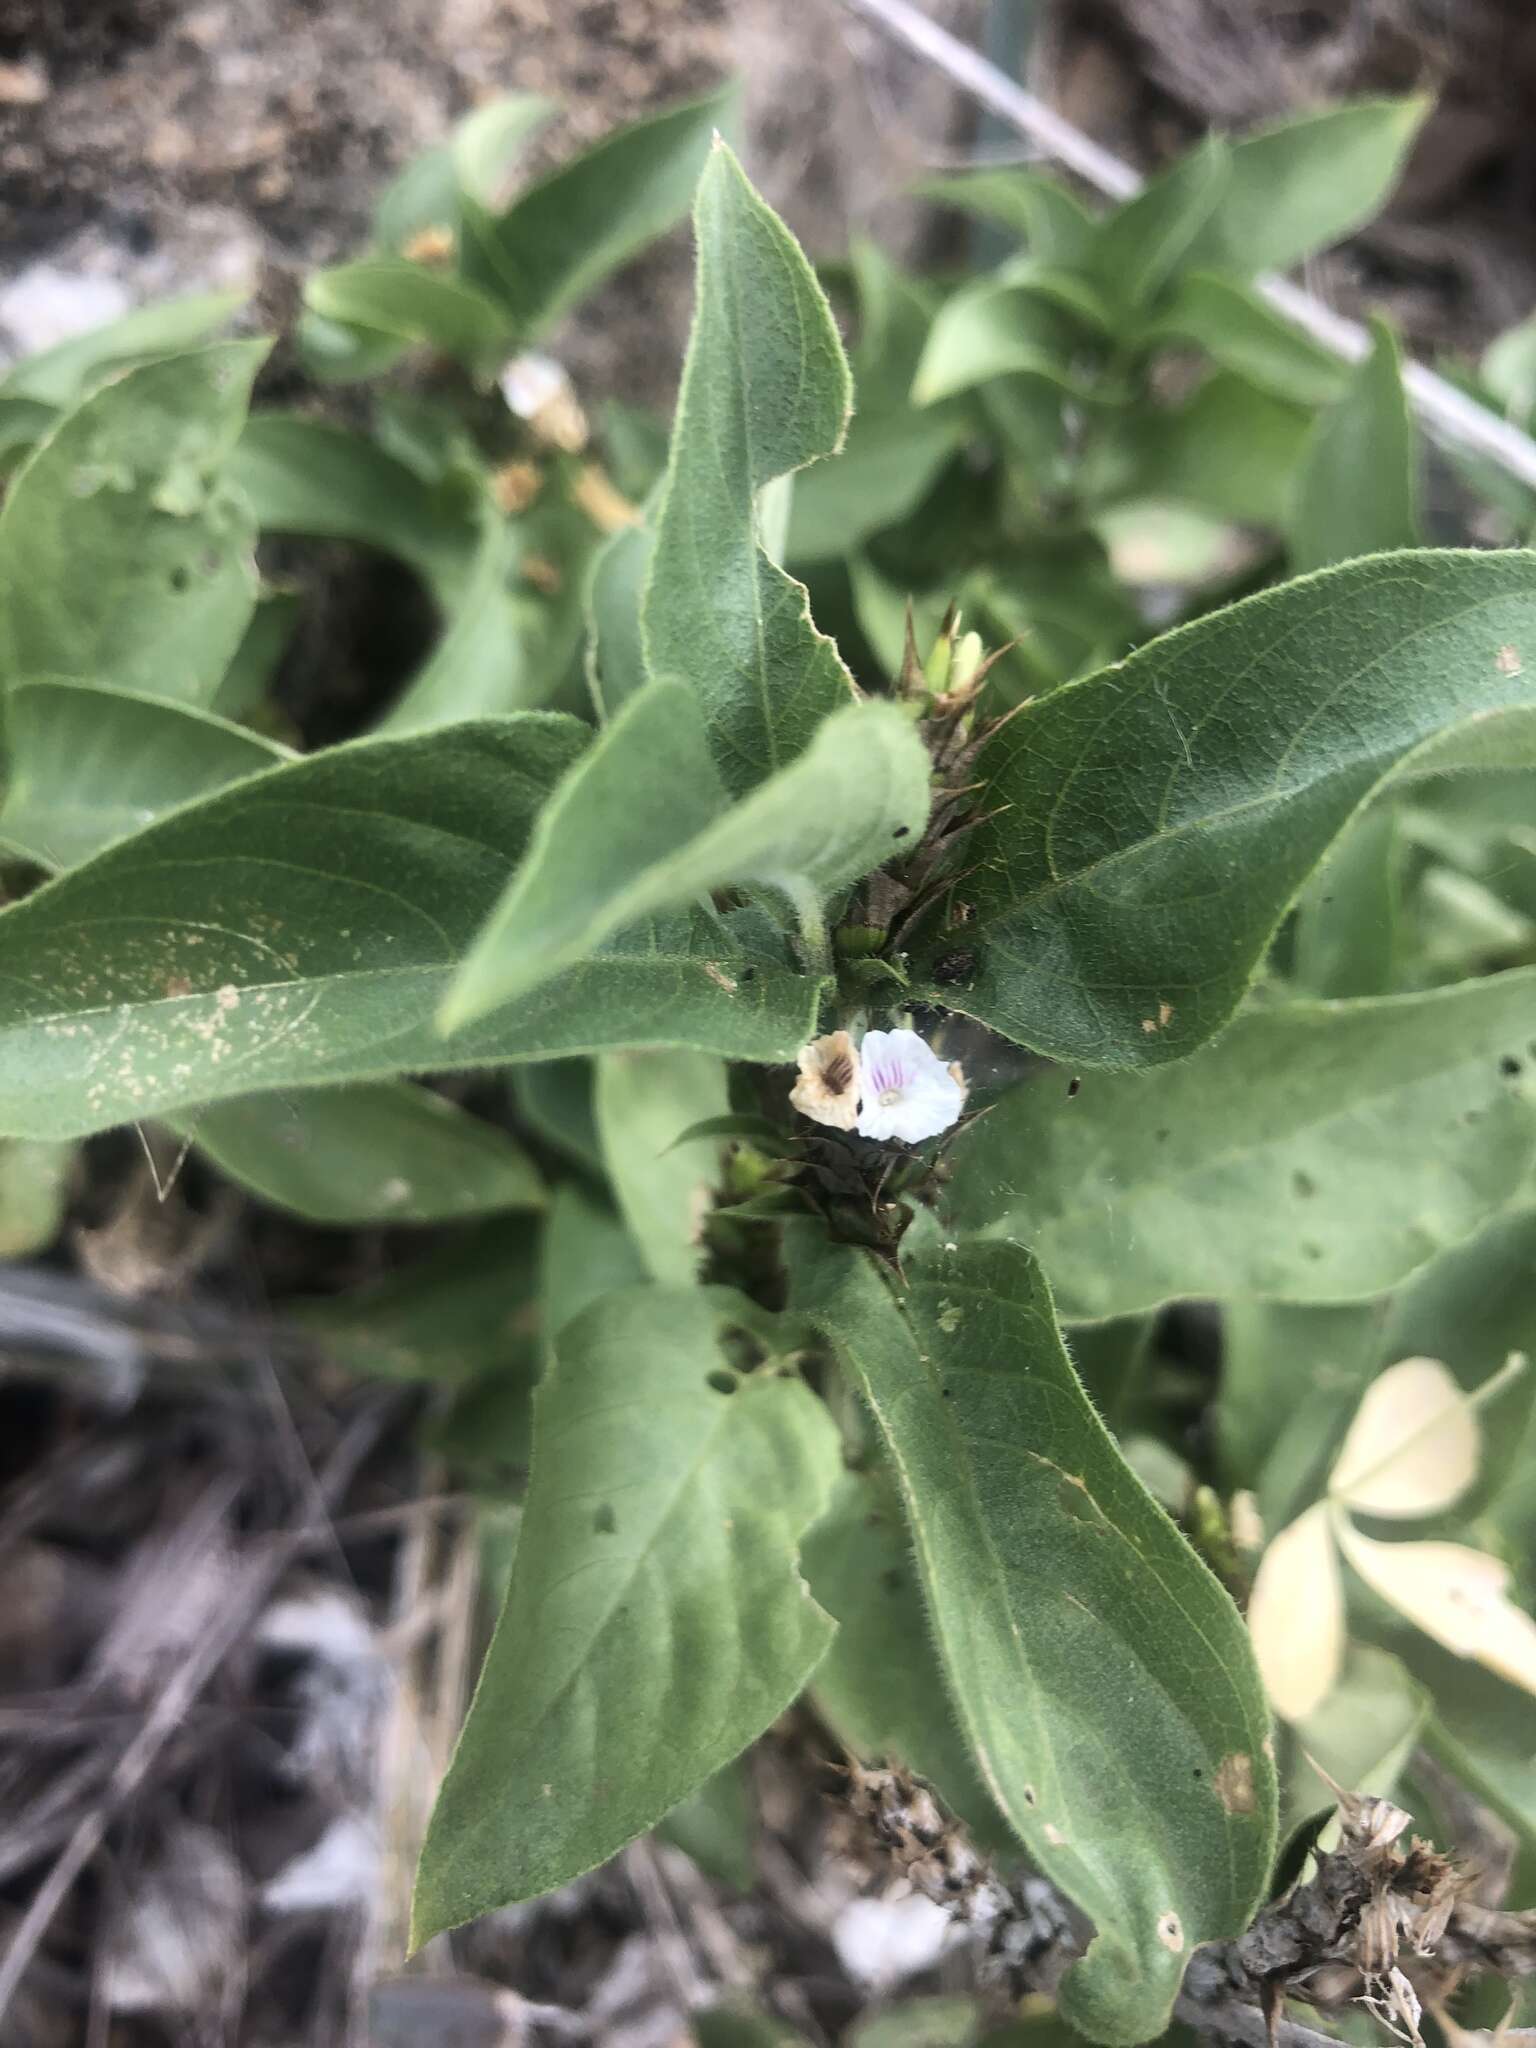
(828, 1088)
(909, 1093)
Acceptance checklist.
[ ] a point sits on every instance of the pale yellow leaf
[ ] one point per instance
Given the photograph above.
(1413, 1446)
(1457, 1595)
(1296, 1616)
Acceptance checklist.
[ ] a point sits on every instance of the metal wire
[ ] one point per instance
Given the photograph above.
(1446, 413)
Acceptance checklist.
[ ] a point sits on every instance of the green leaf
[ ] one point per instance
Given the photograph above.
(1154, 820)
(715, 1826)
(1102, 1677)
(1315, 1152)
(1362, 1735)
(304, 926)
(480, 664)
(476, 160)
(86, 765)
(1357, 493)
(564, 235)
(124, 556)
(314, 477)
(1231, 448)
(410, 303)
(1509, 370)
(587, 1253)
(655, 1623)
(935, 2022)
(389, 1153)
(34, 1189)
(554, 1097)
(879, 1687)
(262, 646)
(1305, 184)
(1021, 321)
(640, 825)
(1293, 1376)
(1143, 241)
(765, 391)
(615, 652)
(644, 1102)
(1242, 332)
(463, 1311)
(1347, 937)
(1054, 223)
(59, 377)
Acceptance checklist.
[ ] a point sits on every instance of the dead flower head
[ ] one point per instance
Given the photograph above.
(828, 1088)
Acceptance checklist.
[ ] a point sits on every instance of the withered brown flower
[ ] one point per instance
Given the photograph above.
(828, 1088)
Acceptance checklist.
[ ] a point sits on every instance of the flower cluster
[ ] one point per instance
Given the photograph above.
(892, 1086)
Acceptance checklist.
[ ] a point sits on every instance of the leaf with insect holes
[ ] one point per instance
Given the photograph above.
(1149, 825)
(765, 391)
(656, 1622)
(1103, 1679)
(125, 556)
(303, 926)
(1315, 1152)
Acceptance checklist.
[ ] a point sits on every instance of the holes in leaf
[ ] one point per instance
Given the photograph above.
(1304, 1184)
(1509, 1066)
(721, 1381)
(605, 1521)
(181, 578)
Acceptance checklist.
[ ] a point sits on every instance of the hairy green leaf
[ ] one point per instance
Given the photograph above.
(1357, 493)
(386, 1153)
(1315, 1152)
(304, 926)
(87, 765)
(565, 234)
(765, 391)
(124, 556)
(1101, 1675)
(655, 1622)
(641, 825)
(879, 1687)
(1152, 822)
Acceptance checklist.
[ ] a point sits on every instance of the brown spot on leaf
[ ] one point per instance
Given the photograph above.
(1170, 1931)
(719, 977)
(1234, 1782)
(1508, 663)
(177, 985)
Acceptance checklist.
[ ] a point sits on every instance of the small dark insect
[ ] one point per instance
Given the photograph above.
(956, 966)
(1074, 1085)
(901, 831)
